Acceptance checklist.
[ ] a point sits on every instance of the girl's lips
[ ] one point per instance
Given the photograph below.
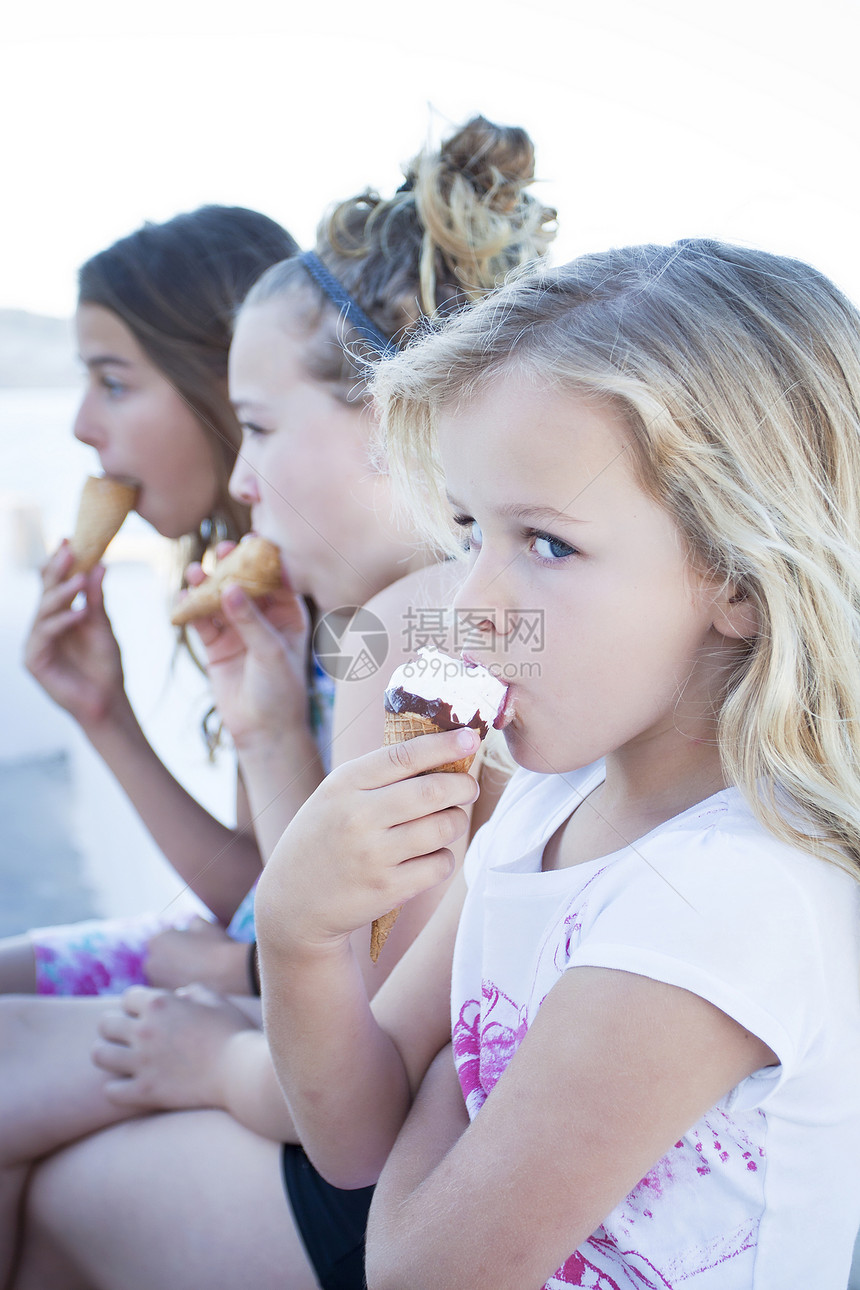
(120, 478)
(506, 712)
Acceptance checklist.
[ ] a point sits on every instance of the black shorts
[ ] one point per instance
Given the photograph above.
(331, 1222)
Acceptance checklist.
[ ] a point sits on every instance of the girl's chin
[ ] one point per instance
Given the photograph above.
(530, 755)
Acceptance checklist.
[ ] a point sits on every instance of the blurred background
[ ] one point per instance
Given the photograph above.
(653, 120)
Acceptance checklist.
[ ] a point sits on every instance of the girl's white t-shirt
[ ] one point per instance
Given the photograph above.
(763, 1193)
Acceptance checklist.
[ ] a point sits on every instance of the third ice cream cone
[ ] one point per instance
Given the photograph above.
(457, 694)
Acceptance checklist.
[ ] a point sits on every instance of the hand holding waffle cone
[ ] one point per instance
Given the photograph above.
(255, 564)
(104, 504)
(431, 694)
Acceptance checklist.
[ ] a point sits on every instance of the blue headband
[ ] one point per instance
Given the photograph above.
(338, 295)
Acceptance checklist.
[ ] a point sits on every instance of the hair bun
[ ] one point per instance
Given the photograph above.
(478, 221)
(456, 227)
(498, 160)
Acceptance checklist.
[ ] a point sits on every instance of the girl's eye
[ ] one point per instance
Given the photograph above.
(253, 431)
(550, 548)
(114, 388)
(471, 531)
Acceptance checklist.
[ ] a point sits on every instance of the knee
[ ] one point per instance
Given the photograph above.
(52, 1205)
(48, 1240)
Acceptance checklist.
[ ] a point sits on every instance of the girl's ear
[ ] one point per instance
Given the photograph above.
(735, 615)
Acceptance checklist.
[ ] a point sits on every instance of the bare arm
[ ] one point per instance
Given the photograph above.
(74, 656)
(614, 1070)
(189, 1049)
(256, 660)
(219, 863)
(373, 836)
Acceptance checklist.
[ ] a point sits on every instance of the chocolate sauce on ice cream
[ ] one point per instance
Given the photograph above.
(437, 710)
(447, 691)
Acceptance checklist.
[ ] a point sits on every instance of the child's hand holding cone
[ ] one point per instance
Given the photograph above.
(431, 694)
(255, 564)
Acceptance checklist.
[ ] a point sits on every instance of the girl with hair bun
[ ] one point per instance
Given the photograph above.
(204, 1187)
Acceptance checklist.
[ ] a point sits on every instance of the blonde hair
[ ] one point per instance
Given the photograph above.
(739, 376)
(461, 221)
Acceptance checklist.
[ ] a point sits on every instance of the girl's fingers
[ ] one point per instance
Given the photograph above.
(194, 574)
(255, 632)
(412, 877)
(60, 595)
(57, 566)
(409, 799)
(279, 611)
(94, 587)
(125, 1092)
(433, 833)
(58, 624)
(415, 757)
(115, 1027)
(116, 1059)
(197, 993)
(138, 998)
(224, 548)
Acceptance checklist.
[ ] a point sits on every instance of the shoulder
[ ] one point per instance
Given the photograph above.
(432, 587)
(715, 904)
(409, 611)
(722, 847)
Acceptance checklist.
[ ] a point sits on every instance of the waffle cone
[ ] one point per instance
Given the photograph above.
(255, 564)
(400, 726)
(104, 504)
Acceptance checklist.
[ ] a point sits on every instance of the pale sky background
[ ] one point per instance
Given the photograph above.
(653, 119)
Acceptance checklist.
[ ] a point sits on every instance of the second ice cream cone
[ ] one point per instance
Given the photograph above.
(400, 726)
(255, 564)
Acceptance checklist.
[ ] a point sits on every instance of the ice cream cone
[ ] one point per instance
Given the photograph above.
(104, 504)
(400, 726)
(255, 564)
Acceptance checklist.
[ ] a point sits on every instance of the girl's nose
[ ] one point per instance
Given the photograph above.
(244, 482)
(87, 428)
(477, 606)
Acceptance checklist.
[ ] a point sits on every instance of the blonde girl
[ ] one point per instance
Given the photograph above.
(641, 1069)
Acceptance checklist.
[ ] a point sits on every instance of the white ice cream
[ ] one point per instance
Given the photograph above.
(468, 688)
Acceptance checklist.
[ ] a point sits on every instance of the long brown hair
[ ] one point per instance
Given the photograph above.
(177, 287)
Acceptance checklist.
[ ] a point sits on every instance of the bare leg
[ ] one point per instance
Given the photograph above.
(178, 1200)
(17, 965)
(50, 1092)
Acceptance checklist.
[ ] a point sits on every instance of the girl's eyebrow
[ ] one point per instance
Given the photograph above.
(246, 405)
(528, 512)
(105, 360)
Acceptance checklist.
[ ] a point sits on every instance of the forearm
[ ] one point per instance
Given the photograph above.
(250, 1091)
(279, 775)
(343, 1077)
(399, 1216)
(219, 864)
